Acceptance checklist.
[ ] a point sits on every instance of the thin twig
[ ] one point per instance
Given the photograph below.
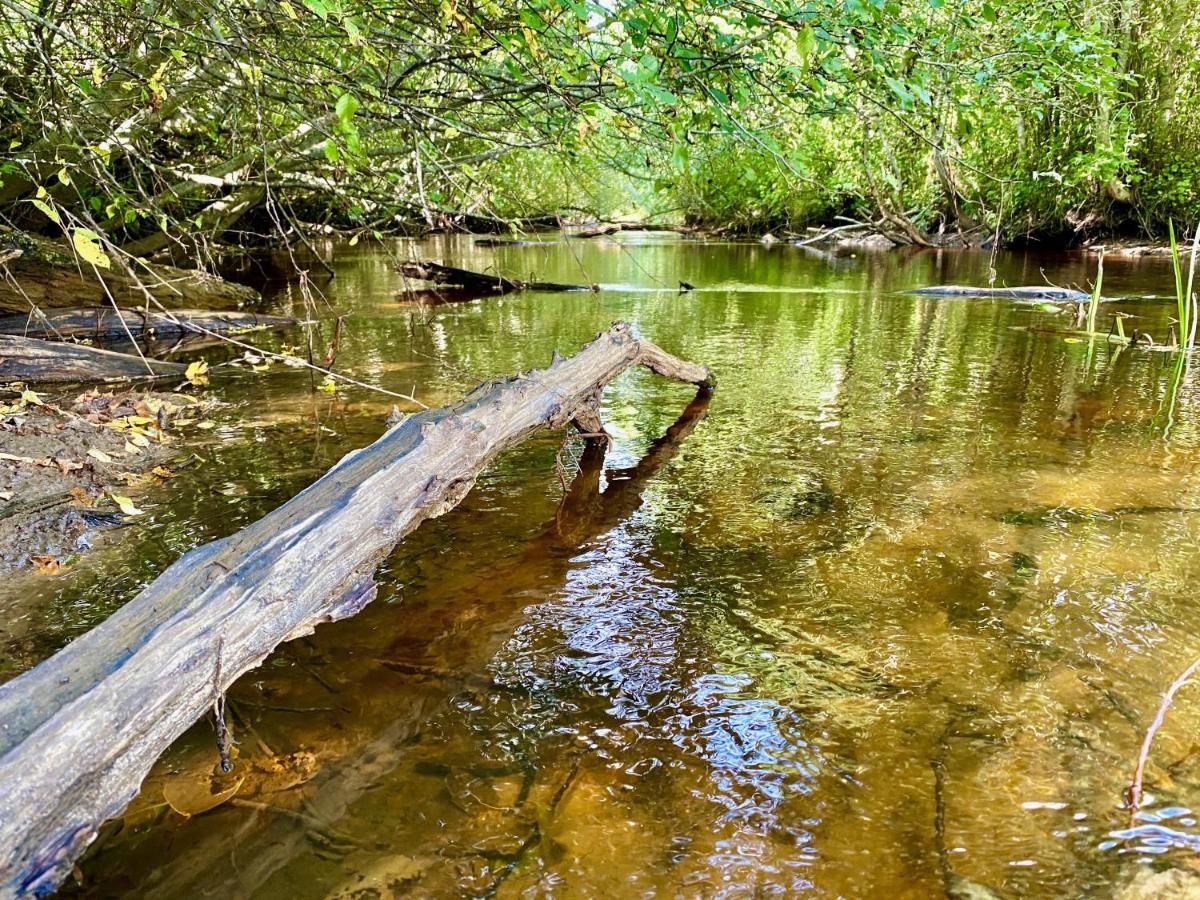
(1135, 789)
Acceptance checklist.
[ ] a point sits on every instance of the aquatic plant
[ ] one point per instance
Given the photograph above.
(1094, 303)
(1185, 297)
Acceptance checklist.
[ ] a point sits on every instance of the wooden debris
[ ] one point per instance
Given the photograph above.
(39, 362)
(478, 282)
(79, 732)
(108, 324)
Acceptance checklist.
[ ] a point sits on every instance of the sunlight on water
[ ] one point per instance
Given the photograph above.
(887, 617)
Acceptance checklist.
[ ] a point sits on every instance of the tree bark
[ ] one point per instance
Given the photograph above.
(79, 732)
(46, 275)
(103, 323)
(41, 362)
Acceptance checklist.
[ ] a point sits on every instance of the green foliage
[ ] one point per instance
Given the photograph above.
(166, 123)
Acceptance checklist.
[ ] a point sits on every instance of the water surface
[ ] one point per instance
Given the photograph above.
(884, 617)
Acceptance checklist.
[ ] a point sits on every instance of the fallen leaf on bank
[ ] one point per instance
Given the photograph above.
(131, 450)
(82, 497)
(6, 495)
(162, 472)
(31, 397)
(125, 504)
(100, 455)
(193, 796)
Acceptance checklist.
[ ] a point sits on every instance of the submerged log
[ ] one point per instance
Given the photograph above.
(79, 732)
(42, 362)
(47, 275)
(478, 282)
(1035, 292)
(107, 324)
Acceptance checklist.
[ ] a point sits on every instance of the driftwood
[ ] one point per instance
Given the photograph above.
(47, 275)
(490, 606)
(36, 361)
(107, 324)
(602, 230)
(478, 282)
(79, 732)
(1036, 292)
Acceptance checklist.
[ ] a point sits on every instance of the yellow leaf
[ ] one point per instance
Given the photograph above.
(31, 397)
(125, 504)
(87, 245)
(180, 423)
(206, 425)
(100, 455)
(197, 372)
(140, 439)
(48, 211)
(328, 385)
(131, 450)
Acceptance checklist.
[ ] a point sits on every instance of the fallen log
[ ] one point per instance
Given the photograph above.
(47, 275)
(41, 362)
(487, 609)
(79, 732)
(1035, 292)
(107, 324)
(602, 230)
(478, 282)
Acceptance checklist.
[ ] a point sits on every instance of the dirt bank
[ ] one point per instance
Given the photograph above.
(69, 465)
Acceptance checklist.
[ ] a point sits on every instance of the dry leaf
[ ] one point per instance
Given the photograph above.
(45, 565)
(126, 505)
(193, 796)
(100, 455)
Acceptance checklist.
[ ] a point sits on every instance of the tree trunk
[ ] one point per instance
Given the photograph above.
(477, 282)
(103, 323)
(41, 362)
(79, 732)
(46, 275)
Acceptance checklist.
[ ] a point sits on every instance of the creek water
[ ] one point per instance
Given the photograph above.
(887, 616)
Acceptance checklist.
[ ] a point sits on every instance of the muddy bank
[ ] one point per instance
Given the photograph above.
(71, 468)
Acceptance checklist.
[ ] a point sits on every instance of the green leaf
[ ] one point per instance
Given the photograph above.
(87, 245)
(347, 105)
(50, 212)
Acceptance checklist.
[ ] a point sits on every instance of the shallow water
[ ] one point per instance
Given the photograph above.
(886, 617)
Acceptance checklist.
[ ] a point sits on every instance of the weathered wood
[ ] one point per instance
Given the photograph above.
(40, 362)
(107, 324)
(1035, 292)
(489, 607)
(48, 276)
(478, 282)
(604, 229)
(79, 732)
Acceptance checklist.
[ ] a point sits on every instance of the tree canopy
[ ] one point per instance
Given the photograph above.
(143, 125)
